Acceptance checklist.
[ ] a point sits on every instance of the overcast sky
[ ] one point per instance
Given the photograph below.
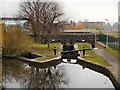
(77, 10)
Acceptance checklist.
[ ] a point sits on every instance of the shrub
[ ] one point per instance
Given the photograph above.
(16, 41)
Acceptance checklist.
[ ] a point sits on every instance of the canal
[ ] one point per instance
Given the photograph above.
(18, 74)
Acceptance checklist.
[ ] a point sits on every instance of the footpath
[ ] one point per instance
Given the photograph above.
(112, 61)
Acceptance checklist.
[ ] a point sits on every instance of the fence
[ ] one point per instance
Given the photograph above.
(112, 41)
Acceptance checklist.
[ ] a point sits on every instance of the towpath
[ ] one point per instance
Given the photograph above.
(113, 61)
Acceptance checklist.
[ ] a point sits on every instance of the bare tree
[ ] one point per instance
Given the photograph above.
(42, 16)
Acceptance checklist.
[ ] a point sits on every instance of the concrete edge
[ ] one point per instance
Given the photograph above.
(80, 58)
(94, 66)
(101, 69)
(46, 64)
(37, 61)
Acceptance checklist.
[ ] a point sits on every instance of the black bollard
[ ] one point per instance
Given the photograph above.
(83, 67)
(29, 55)
(83, 51)
(64, 42)
(71, 42)
(54, 50)
(68, 60)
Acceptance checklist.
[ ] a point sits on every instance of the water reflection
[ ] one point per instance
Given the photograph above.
(31, 77)
(65, 75)
(12, 69)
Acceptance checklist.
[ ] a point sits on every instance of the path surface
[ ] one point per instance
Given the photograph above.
(113, 61)
(108, 57)
(99, 46)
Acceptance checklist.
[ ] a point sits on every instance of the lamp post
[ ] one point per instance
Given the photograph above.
(107, 34)
(95, 38)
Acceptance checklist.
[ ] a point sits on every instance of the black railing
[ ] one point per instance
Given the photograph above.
(64, 52)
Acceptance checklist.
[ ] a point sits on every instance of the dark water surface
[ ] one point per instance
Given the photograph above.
(17, 74)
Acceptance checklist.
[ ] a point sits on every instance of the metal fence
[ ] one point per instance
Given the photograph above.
(112, 41)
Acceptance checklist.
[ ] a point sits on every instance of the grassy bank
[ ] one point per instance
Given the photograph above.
(91, 56)
(115, 53)
(43, 50)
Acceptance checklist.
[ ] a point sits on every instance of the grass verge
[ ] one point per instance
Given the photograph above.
(91, 56)
(43, 50)
(115, 53)
(45, 58)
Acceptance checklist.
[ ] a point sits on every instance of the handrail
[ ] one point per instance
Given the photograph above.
(75, 50)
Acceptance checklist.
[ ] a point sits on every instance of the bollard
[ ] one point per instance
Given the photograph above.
(71, 42)
(68, 60)
(54, 50)
(84, 51)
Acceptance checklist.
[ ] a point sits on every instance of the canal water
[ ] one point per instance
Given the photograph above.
(18, 74)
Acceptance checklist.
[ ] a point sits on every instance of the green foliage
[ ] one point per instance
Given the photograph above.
(87, 46)
(112, 41)
(43, 48)
(102, 38)
(113, 52)
(45, 58)
(96, 59)
(91, 56)
(16, 41)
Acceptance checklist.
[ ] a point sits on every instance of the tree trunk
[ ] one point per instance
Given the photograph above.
(48, 41)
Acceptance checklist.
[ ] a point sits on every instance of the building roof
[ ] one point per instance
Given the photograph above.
(80, 31)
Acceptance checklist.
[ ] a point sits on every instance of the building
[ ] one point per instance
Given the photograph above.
(92, 24)
(87, 25)
(8, 21)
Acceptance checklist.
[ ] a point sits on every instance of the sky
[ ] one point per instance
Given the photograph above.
(75, 10)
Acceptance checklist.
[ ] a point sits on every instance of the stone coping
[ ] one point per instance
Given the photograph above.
(99, 66)
(38, 61)
(94, 66)
(80, 58)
